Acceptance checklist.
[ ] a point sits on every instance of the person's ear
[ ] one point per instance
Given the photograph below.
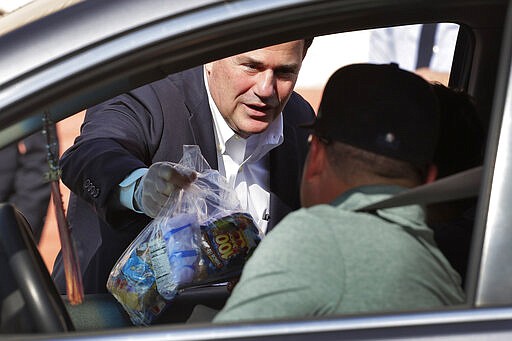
(431, 174)
(311, 184)
(208, 68)
(315, 160)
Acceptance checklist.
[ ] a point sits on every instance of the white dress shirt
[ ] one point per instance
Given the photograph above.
(244, 163)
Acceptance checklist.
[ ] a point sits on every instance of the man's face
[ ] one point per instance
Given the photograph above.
(251, 89)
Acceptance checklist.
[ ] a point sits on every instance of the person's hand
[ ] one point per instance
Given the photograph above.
(161, 180)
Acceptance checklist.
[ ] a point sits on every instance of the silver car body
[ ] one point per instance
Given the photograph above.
(89, 51)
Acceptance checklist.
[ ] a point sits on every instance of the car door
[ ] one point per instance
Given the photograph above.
(488, 312)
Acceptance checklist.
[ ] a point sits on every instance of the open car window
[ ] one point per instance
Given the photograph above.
(317, 70)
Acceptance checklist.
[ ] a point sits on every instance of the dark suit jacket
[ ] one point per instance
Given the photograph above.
(144, 126)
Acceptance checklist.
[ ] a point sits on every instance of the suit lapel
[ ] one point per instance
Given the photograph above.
(200, 120)
(285, 172)
(287, 160)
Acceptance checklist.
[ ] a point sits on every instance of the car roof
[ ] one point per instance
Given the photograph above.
(58, 28)
(102, 43)
(32, 11)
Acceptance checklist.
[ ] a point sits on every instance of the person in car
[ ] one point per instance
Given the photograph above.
(240, 110)
(375, 135)
(461, 146)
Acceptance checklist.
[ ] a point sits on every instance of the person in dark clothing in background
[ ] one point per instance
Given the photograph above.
(22, 179)
(461, 147)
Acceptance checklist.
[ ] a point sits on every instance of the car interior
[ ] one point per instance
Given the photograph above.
(30, 302)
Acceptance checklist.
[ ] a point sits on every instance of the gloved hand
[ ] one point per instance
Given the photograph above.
(155, 187)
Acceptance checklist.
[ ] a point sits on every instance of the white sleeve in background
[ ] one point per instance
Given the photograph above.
(382, 49)
(399, 44)
(396, 44)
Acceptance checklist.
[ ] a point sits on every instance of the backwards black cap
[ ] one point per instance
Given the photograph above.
(381, 109)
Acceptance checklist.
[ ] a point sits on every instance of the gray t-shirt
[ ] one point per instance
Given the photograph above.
(330, 260)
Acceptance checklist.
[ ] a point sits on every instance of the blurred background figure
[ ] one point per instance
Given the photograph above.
(425, 49)
(22, 179)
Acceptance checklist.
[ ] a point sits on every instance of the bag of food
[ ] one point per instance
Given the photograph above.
(200, 236)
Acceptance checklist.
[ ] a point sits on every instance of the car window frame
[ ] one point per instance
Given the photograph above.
(458, 319)
(490, 256)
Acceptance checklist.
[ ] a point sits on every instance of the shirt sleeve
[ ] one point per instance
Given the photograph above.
(127, 187)
(382, 49)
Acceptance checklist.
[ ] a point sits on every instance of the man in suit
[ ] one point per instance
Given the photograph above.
(240, 110)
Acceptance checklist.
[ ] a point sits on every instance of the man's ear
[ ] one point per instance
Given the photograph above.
(208, 67)
(315, 160)
(431, 174)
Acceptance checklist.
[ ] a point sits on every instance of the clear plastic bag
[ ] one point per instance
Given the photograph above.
(200, 236)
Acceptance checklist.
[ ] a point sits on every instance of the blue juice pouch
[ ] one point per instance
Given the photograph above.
(175, 253)
(162, 258)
